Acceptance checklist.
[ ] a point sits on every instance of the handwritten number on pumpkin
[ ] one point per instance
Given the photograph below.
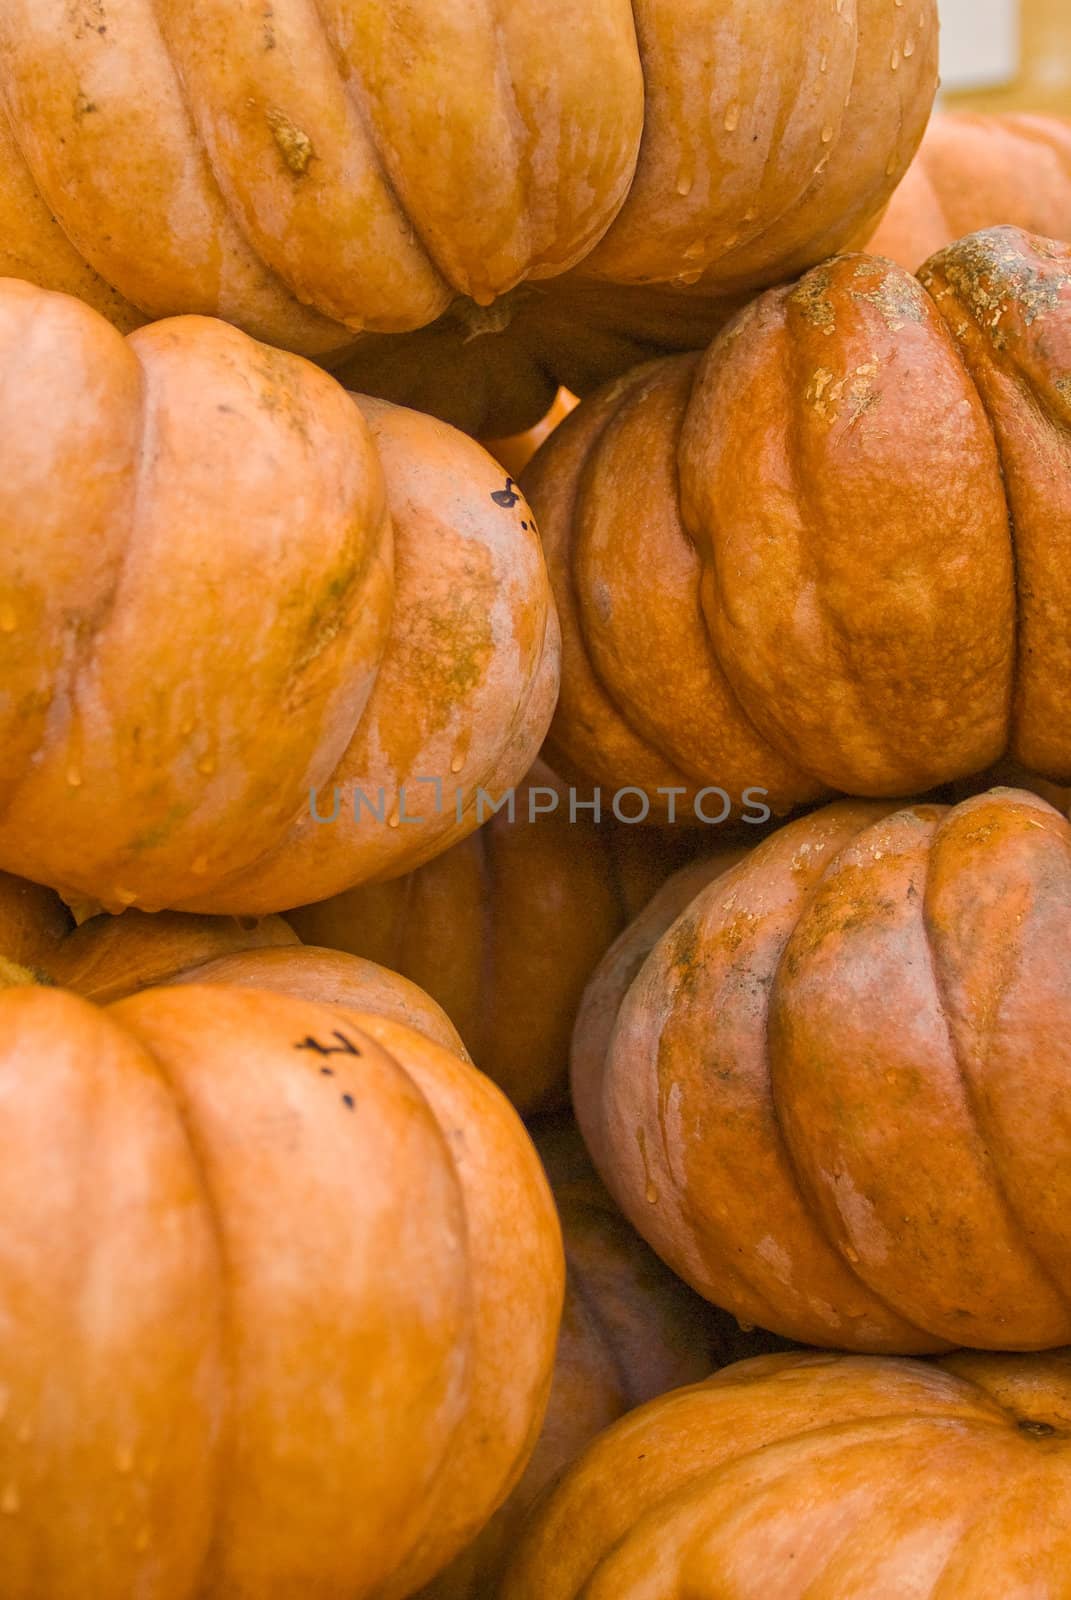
(508, 497)
(344, 1047)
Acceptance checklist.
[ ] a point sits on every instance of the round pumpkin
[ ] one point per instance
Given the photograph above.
(800, 1475)
(327, 177)
(857, 505)
(234, 602)
(292, 1268)
(630, 1331)
(975, 172)
(832, 1097)
(505, 929)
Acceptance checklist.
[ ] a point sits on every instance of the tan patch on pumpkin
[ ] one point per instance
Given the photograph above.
(294, 143)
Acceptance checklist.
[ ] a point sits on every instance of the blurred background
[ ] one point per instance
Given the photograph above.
(1007, 55)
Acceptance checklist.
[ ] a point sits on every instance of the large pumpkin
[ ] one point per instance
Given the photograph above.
(280, 1289)
(798, 1476)
(857, 504)
(630, 1331)
(834, 1095)
(315, 174)
(505, 929)
(975, 172)
(232, 602)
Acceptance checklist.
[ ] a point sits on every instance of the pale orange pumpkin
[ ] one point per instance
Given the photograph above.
(280, 1295)
(334, 175)
(798, 1476)
(227, 589)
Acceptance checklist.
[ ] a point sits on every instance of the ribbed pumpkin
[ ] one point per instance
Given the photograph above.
(834, 1096)
(505, 929)
(229, 595)
(630, 1331)
(975, 172)
(857, 505)
(108, 958)
(360, 167)
(280, 1291)
(798, 1476)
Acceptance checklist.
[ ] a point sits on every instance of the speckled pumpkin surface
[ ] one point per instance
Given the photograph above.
(858, 507)
(833, 1093)
(228, 586)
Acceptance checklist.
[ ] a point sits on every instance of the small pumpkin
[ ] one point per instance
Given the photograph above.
(290, 1267)
(975, 172)
(327, 177)
(505, 929)
(235, 602)
(630, 1331)
(856, 503)
(802, 1474)
(832, 1097)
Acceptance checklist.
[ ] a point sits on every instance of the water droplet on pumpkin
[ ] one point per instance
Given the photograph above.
(751, 214)
(851, 1256)
(8, 620)
(823, 64)
(74, 778)
(650, 1194)
(689, 278)
(457, 763)
(827, 134)
(732, 118)
(207, 765)
(684, 184)
(11, 1500)
(395, 819)
(895, 62)
(124, 897)
(909, 49)
(891, 167)
(694, 250)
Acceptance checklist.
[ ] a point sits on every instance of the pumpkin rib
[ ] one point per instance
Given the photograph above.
(975, 1108)
(226, 1442)
(814, 1211)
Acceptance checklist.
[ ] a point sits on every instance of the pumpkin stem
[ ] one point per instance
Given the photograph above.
(12, 976)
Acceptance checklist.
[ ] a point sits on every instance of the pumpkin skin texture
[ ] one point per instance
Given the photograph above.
(833, 1096)
(233, 1291)
(975, 172)
(234, 546)
(630, 1331)
(505, 929)
(922, 1480)
(328, 177)
(847, 499)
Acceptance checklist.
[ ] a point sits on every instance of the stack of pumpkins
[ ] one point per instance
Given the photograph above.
(293, 1303)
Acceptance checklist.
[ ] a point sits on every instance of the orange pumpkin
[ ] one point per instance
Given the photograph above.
(975, 172)
(833, 1096)
(857, 505)
(806, 1475)
(228, 587)
(505, 929)
(289, 1267)
(630, 1331)
(342, 173)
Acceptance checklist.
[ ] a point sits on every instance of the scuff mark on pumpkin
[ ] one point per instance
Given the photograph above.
(294, 143)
